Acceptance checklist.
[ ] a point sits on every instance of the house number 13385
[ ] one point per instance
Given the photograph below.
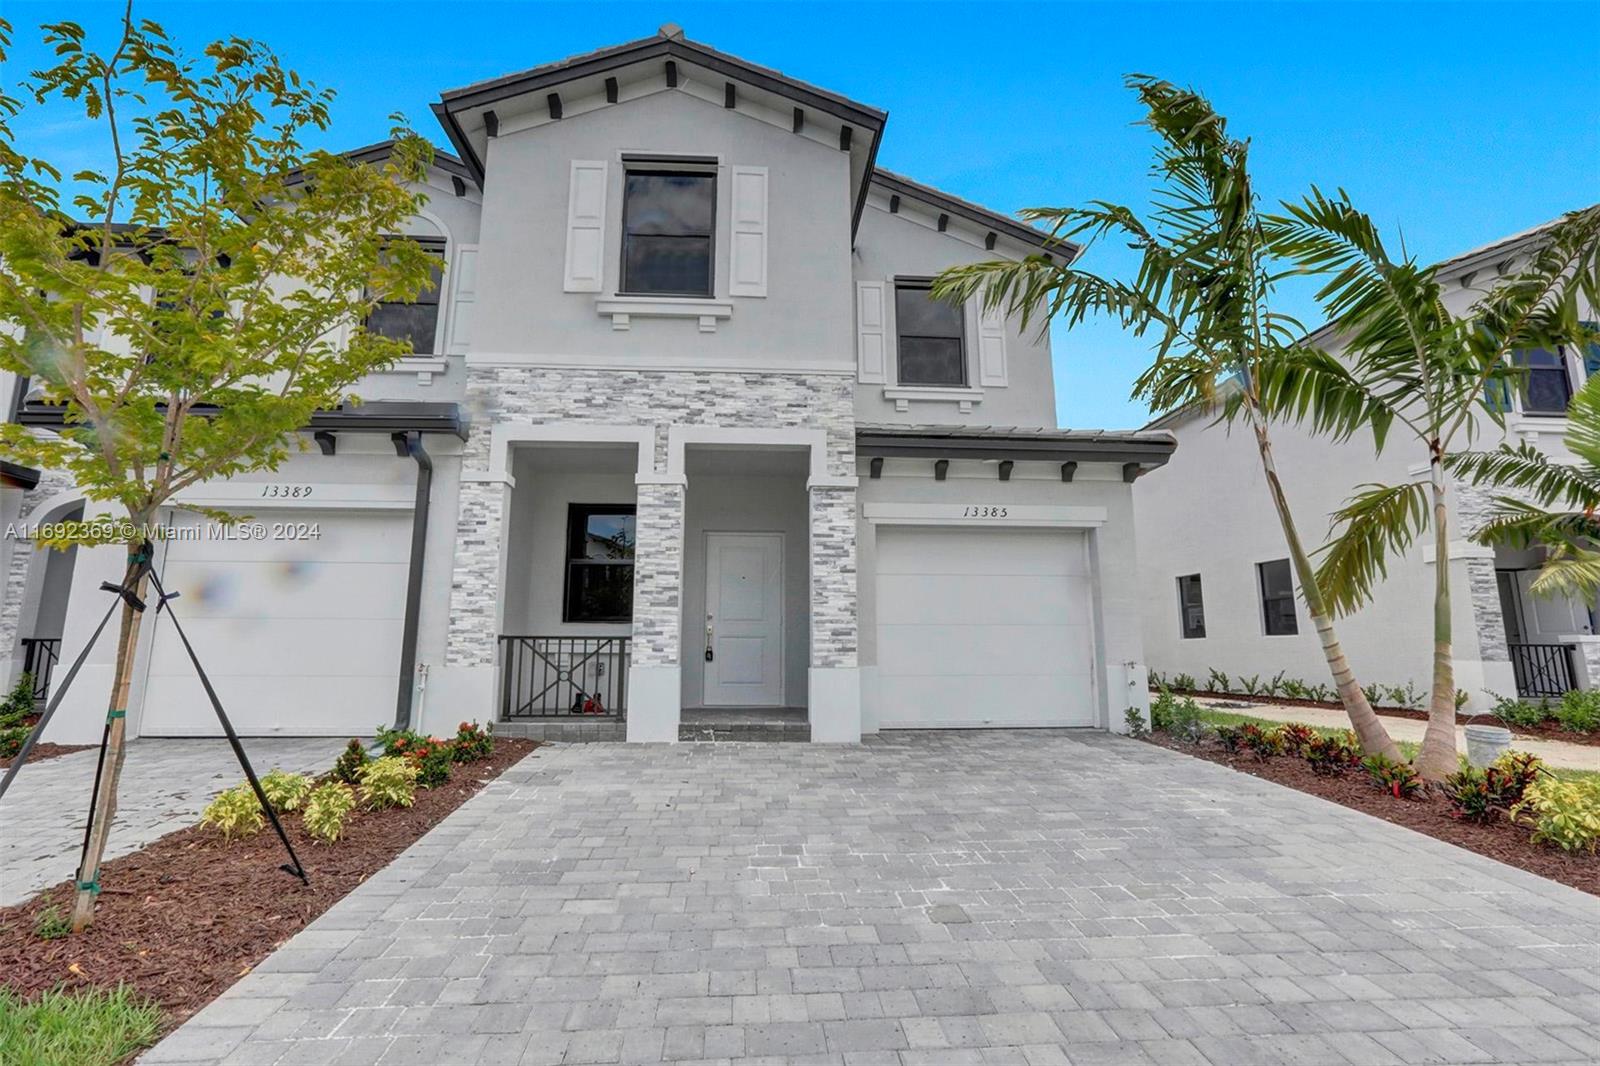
(984, 512)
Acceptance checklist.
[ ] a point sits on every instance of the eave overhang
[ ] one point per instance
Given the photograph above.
(1147, 449)
(374, 416)
(900, 185)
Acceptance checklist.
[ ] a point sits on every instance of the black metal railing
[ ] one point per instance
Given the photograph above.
(1542, 669)
(543, 677)
(39, 655)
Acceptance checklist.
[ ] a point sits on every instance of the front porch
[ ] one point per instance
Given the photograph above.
(1550, 640)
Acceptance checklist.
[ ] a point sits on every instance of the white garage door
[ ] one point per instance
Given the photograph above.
(299, 637)
(984, 628)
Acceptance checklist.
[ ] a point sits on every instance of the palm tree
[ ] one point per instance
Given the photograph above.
(1203, 289)
(1411, 364)
(1553, 504)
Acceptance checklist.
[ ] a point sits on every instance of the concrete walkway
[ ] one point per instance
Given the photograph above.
(1555, 752)
(1024, 896)
(165, 785)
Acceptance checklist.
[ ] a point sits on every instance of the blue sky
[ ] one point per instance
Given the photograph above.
(1453, 123)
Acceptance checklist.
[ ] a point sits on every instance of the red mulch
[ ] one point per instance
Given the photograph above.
(1430, 814)
(43, 751)
(1549, 729)
(189, 915)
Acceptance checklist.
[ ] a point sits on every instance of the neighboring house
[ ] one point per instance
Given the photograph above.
(1218, 592)
(683, 430)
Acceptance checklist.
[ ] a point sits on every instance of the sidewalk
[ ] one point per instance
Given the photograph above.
(1555, 752)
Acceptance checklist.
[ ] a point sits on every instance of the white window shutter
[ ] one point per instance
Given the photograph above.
(991, 344)
(586, 226)
(463, 298)
(872, 332)
(747, 275)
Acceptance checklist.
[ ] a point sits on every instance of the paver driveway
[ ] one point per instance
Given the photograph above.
(165, 785)
(943, 897)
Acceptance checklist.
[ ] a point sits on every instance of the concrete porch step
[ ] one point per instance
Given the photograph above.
(761, 724)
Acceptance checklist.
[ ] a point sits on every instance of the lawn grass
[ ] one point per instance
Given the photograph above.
(93, 1028)
(1408, 748)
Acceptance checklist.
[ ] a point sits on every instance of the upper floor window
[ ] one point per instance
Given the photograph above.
(416, 320)
(1191, 607)
(931, 337)
(1548, 388)
(600, 542)
(1277, 598)
(668, 227)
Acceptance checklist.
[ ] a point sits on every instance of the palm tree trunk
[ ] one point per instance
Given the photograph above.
(1437, 758)
(104, 809)
(1375, 739)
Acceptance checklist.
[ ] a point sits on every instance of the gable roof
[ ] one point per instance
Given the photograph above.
(900, 185)
(462, 111)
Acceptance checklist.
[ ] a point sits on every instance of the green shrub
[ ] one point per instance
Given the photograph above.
(1295, 738)
(1183, 683)
(284, 790)
(18, 704)
(1251, 686)
(433, 759)
(1229, 736)
(1274, 686)
(1136, 727)
(1399, 779)
(1295, 690)
(1515, 713)
(11, 740)
(1408, 696)
(1472, 794)
(399, 741)
(1462, 696)
(1374, 693)
(1321, 692)
(87, 1028)
(1156, 679)
(51, 924)
(1333, 754)
(1161, 711)
(1218, 682)
(473, 742)
(1563, 813)
(1262, 743)
(1185, 721)
(389, 782)
(347, 767)
(1579, 711)
(236, 813)
(326, 810)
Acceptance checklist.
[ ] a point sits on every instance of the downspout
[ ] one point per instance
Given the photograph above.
(410, 443)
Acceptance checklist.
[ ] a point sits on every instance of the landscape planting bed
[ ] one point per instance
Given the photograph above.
(190, 914)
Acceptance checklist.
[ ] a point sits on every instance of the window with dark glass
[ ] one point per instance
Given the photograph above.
(599, 563)
(668, 222)
(1548, 387)
(1277, 598)
(1191, 608)
(416, 320)
(930, 338)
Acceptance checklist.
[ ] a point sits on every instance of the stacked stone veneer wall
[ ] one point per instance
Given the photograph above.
(520, 395)
(51, 484)
(1473, 506)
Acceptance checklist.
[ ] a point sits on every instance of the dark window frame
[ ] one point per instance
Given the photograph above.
(1185, 629)
(900, 336)
(666, 170)
(578, 515)
(1272, 613)
(433, 297)
(1562, 367)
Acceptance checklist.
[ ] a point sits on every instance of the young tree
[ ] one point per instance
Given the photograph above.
(1412, 364)
(1204, 289)
(190, 322)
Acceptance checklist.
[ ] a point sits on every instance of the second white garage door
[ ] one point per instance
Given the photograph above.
(984, 628)
(300, 637)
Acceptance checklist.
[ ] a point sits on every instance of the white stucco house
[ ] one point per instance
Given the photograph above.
(1218, 591)
(683, 436)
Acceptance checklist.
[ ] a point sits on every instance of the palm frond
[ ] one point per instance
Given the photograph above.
(1377, 522)
(1522, 525)
(1526, 469)
(1583, 424)
(1573, 574)
(1310, 387)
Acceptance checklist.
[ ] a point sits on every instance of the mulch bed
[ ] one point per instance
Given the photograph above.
(1549, 729)
(1429, 814)
(192, 913)
(43, 751)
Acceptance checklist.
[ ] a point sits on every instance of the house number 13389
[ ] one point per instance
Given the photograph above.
(984, 512)
(280, 492)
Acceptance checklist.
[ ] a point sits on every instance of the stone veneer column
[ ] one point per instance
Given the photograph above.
(834, 679)
(19, 565)
(1489, 669)
(655, 693)
(475, 578)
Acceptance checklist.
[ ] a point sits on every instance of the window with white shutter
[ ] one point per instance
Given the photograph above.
(586, 226)
(991, 344)
(463, 299)
(871, 332)
(748, 240)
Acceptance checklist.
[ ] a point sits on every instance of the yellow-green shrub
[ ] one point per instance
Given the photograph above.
(1563, 813)
(389, 782)
(236, 813)
(286, 791)
(327, 808)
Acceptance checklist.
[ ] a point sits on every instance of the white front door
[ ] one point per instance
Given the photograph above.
(743, 637)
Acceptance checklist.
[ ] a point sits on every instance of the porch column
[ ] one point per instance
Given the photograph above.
(467, 678)
(1483, 661)
(833, 681)
(655, 694)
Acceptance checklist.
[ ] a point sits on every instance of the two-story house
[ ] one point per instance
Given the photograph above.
(1219, 593)
(684, 438)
